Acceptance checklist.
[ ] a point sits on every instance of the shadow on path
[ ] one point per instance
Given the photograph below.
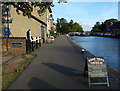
(64, 70)
(36, 83)
(69, 72)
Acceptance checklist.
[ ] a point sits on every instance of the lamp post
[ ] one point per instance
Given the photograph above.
(7, 9)
(6, 20)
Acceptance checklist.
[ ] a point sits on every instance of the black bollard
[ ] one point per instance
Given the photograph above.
(86, 66)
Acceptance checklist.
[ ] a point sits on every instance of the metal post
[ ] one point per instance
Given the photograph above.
(7, 9)
(86, 67)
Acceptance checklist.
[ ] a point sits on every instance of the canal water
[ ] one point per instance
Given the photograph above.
(102, 47)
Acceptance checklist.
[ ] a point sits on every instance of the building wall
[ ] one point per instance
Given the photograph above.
(19, 27)
(21, 24)
(48, 23)
(42, 17)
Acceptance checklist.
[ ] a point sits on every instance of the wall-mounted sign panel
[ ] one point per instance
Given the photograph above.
(16, 44)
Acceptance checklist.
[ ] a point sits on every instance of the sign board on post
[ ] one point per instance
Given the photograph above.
(6, 31)
(97, 68)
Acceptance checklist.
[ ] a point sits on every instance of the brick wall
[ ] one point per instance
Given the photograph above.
(14, 45)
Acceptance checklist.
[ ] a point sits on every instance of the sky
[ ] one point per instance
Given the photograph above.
(85, 13)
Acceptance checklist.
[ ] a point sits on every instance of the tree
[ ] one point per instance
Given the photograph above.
(27, 7)
(109, 22)
(60, 24)
(96, 27)
(71, 25)
(64, 27)
(103, 26)
(62, 20)
(77, 27)
(71, 21)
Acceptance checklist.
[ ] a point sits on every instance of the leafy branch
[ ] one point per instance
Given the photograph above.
(27, 7)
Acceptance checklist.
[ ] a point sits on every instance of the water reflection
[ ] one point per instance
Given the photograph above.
(101, 46)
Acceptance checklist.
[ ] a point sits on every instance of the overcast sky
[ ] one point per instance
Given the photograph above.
(86, 13)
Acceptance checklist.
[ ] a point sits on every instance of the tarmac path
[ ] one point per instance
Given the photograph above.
(59, 65)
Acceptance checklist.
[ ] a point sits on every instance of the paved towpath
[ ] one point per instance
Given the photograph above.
(59, 65)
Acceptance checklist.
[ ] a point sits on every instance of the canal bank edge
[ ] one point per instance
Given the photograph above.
(111, 71)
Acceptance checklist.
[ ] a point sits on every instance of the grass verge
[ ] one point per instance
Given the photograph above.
(12, 69)
(7, 54)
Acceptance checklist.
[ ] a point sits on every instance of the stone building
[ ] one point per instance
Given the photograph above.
(36, 29)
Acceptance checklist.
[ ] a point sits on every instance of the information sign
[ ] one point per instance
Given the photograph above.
(16, 44)
(97, 68)
(6, 31)
(7, 21)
